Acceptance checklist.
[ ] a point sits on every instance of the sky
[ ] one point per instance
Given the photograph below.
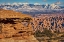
(32, 1)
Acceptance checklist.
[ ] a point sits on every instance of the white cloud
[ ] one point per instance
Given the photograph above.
(20, 3)
(15, 3)
(58, 3)
(8, 4)
(37, 4)
(26, 3)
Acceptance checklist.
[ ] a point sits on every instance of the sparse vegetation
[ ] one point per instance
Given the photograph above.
(40, 36)
(57, 32)
(38, 33)
(62, 35)
(46, 32)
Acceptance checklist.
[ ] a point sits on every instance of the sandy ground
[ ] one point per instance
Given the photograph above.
(30, 39)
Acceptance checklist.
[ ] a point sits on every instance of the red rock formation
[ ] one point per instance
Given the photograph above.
(53, 22)
(14, 24)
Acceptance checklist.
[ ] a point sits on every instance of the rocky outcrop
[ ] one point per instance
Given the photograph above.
(14, 24)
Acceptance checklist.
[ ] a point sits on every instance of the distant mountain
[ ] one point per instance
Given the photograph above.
(33, 8)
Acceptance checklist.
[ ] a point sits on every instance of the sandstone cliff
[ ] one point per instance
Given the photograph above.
(14, 24)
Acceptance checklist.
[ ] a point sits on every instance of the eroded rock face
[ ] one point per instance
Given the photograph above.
(30, 39)
(53, 22)
(14, 24)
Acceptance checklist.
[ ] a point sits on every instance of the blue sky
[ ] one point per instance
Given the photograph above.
(31, 1)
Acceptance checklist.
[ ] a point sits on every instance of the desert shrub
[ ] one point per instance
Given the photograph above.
(38, 33)
(57, 32)
(62, 35)
(48, 33)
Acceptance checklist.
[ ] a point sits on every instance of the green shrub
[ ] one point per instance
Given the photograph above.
(38, 33)
(46, 32)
